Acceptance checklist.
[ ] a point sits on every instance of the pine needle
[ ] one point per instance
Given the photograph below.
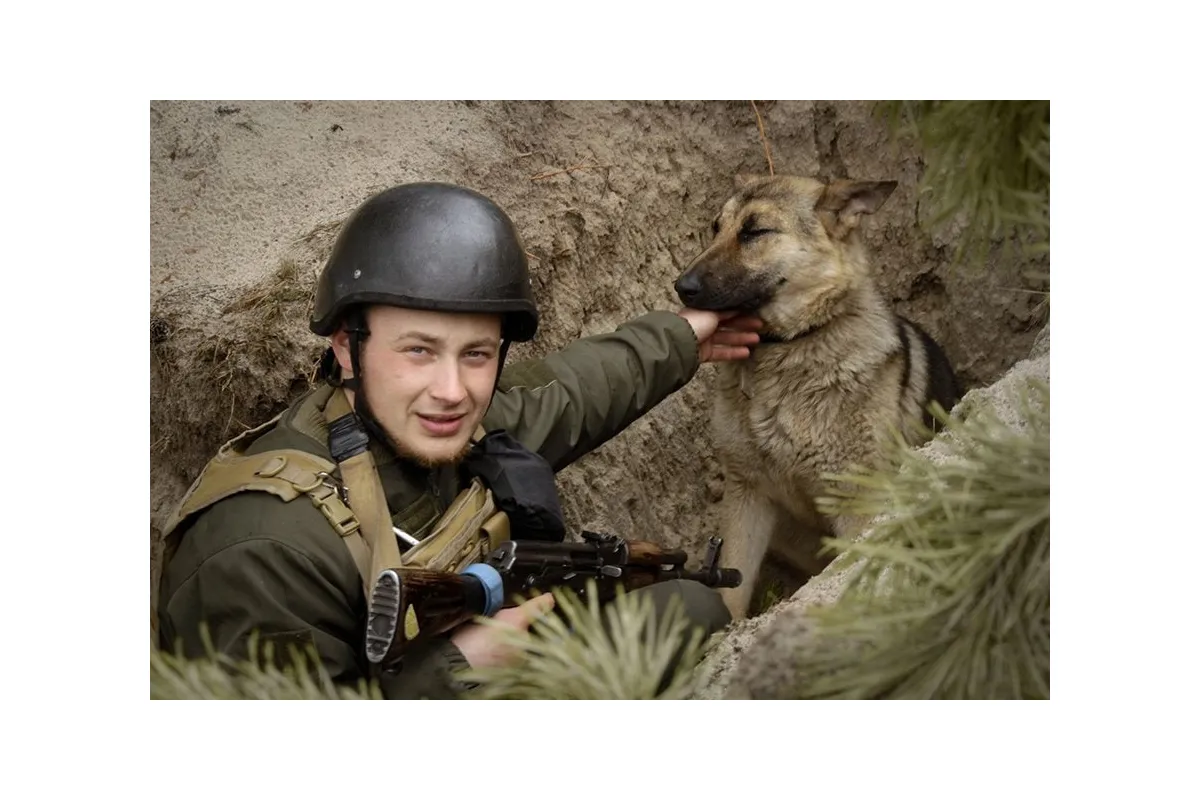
(987, 167)
(619, 651)
(298, 675)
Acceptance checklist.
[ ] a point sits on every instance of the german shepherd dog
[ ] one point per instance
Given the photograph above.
(837, 373)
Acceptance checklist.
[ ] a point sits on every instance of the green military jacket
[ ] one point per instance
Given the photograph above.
(253, 563)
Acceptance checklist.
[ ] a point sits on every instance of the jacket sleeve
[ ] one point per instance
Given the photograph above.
(286, 595)
(569, 403)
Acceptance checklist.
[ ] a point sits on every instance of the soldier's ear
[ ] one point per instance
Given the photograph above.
(340, 343)
(843, 202)
(743, 179)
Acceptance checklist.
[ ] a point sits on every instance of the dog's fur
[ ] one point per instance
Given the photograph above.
(838, 372)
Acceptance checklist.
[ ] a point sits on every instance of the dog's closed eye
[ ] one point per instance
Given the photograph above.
(751, 230)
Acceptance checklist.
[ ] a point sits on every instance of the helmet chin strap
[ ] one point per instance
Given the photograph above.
(356, 326)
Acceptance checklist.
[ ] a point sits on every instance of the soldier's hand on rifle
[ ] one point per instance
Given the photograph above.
(481, 645)
(723, 335)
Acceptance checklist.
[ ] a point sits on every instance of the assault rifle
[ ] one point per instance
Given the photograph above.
(407, 604)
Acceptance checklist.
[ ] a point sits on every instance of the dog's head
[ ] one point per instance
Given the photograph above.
(784, 248)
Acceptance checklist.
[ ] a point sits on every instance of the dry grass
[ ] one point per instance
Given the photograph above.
(271, 300)
(762, 134)
(210, 381)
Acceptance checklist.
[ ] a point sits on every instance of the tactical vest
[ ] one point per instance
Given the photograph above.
(354, 506)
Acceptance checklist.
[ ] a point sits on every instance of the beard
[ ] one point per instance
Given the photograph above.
(403, 451)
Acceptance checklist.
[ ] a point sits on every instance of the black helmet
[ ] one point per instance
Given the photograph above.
(431, 246)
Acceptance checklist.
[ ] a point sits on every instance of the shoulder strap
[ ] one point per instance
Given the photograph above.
(286, 473)
(361, 479)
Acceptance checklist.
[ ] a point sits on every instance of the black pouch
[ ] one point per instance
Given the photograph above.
(522, 483)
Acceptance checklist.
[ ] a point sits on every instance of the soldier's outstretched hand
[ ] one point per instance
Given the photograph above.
(723, 335)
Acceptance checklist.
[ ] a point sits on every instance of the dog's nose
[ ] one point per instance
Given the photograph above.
(688, 287)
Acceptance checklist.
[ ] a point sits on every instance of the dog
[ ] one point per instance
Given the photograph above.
(837, 373)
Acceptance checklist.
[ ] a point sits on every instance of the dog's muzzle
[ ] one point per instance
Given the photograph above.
(715, 290)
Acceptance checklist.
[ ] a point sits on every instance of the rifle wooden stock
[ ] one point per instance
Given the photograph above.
(437, 601)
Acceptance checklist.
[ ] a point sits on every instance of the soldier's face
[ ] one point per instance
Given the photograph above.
(429, 377)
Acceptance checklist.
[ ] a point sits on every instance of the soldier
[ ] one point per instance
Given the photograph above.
(426, 288)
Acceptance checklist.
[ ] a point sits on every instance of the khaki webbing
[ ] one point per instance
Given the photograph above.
(365, 491)
(470, 528)
(287, 474)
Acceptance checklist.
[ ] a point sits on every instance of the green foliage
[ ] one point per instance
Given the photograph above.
(618, 651)
(951, 593)
(296, 676)
(987, 166)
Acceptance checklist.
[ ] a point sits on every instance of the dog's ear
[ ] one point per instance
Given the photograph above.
(843, 202)
(743, 179)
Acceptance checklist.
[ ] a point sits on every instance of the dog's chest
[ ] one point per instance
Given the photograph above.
(782, 417)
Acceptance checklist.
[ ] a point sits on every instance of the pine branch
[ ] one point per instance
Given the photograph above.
(619, 651)
(298, 675)
(987, 168)
(952, 599)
